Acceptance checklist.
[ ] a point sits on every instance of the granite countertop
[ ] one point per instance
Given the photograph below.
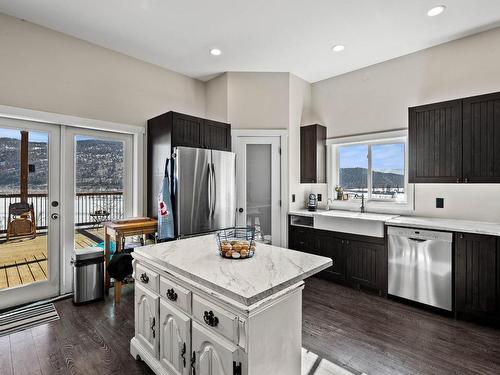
(247, 281)
(452, 225)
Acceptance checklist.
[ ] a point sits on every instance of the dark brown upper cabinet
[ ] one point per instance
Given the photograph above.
(217, 135)
(435, 142)
(312, 154)
(455, 141)
(481, 138)
(187, 130)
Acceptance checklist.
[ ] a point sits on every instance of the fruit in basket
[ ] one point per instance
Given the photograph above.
(236, 254)
(244, 253)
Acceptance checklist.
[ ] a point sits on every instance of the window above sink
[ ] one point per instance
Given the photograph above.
(374, 165)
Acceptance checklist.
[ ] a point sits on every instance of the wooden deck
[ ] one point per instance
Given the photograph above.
(25, 261)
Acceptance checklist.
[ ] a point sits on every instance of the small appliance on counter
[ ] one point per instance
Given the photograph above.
(312, 203)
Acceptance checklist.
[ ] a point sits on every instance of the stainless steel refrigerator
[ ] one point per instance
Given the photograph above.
(204, 190)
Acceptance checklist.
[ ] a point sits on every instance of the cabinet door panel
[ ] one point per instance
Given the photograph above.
(308, 154)
(187, 130)
(365, 264)
(213, 355)
(333, 248)
(175, 343)
(481, 138)
(217, 135)
(476, 274)
(301, 239)
(146, 319)
(435, 142)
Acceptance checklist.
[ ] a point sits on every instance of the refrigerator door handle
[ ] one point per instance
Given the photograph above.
(214, 190)
(209, 191)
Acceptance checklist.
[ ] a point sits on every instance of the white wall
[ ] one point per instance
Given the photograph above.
(377, 98)
(49, 71)
(257, 100)
(300, 114)
(216, 98)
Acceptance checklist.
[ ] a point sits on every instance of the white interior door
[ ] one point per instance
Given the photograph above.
(29, 264)
(258, 182)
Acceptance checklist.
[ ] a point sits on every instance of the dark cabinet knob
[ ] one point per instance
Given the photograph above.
(210, 318)
(171, 295)
(145, 278)
(240, 210)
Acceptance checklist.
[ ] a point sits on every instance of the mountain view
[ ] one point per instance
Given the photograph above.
(99, 165)
(351, 178)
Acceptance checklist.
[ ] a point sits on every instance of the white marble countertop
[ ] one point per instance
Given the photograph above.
(247, 281)
(452, 225)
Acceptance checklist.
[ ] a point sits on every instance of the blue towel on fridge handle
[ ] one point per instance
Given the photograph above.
(165, 214)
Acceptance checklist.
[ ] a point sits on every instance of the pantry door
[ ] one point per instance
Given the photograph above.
(29, 211)
(258, 181)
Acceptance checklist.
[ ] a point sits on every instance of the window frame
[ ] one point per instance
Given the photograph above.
(333, 171)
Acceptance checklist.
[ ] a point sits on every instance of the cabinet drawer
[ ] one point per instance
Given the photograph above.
(175, 294)
(216, 318)
(148, 278)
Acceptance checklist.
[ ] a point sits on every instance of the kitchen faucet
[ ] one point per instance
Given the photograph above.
(362, 207)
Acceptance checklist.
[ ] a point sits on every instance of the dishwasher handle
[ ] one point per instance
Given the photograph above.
(417, 239)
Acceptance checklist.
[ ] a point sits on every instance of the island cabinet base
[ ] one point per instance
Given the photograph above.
(185, 328)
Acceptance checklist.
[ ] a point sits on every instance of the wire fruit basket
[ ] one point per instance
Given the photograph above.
(236, 243)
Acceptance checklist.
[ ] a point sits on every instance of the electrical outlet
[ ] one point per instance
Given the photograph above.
(439, 202)
(293, 198)
(320, 197)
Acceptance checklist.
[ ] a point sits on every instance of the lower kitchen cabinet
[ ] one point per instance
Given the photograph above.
(366, 265)
(477, 277)
(213, 356)
(329, 246)
(175, 339)
(358, 261)
(146, 318)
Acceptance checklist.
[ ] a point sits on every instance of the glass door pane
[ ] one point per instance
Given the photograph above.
(28, 251)
(259, 191)
(99, 184)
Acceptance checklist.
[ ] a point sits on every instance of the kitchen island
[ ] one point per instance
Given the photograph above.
(198, 313)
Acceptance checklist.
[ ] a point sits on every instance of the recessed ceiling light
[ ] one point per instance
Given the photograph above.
(215, 52)
(338, 48)
(436, 11)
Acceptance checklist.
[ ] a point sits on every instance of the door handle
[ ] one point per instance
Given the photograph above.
(54, 216)
(183, 355)
(193, 361)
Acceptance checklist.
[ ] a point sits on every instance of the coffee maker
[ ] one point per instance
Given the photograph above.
(312, 202)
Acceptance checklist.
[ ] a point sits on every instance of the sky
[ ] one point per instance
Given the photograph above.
(16, 134)
(385, 157)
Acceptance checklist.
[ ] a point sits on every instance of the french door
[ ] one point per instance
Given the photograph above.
(258, 181)
(30, 163)
(97, 188)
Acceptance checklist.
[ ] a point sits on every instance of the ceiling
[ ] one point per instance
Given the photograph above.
(261, 35)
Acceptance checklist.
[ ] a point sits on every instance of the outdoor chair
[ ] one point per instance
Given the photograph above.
(21, 221)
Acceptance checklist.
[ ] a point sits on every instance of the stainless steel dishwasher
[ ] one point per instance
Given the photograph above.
(420, 266)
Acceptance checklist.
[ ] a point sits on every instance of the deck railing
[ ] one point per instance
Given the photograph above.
(86, 205)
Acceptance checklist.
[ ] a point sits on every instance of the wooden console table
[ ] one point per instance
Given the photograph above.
(117, 231)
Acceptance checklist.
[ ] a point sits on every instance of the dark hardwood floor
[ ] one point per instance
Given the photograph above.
(378, 336)
(363, 332)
